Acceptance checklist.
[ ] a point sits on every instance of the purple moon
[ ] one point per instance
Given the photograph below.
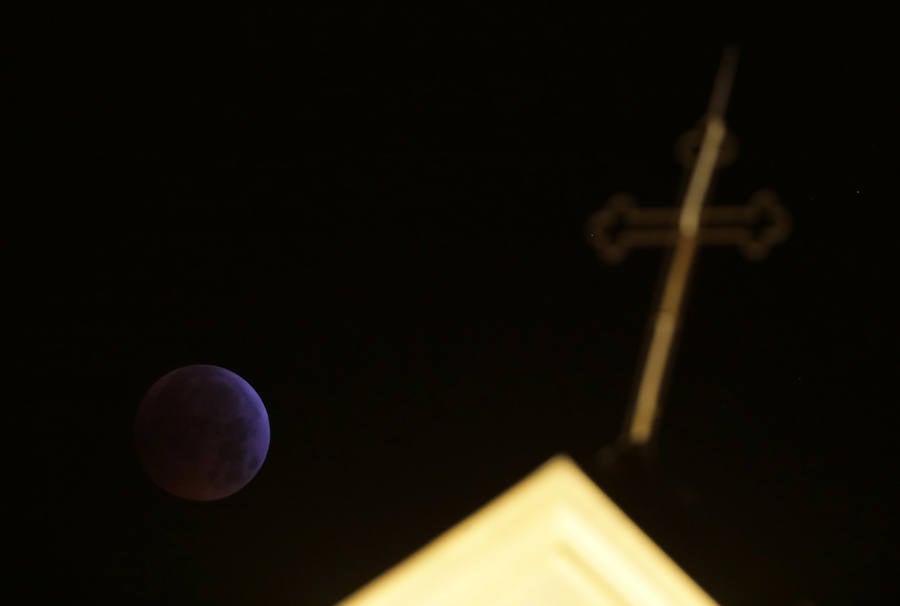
(202, 432)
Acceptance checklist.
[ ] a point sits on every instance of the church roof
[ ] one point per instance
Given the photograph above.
(553, 538)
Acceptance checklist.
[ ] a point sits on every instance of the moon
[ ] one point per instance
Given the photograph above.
(201, 432)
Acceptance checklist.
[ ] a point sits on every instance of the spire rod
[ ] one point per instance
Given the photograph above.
(643, 417)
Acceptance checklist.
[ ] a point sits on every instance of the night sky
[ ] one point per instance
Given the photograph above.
(377, 220)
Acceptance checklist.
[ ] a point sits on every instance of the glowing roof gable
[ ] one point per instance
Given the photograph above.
(553, 539)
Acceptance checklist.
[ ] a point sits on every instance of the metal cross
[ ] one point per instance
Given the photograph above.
(622, 225)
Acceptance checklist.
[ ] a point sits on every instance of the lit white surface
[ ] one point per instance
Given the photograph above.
(552, 539)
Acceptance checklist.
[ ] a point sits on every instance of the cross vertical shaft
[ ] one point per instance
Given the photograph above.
(644, 414)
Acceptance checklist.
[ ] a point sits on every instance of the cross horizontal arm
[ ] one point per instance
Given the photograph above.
(754, 227)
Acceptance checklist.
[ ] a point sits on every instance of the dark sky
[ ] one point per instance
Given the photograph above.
(376, 219)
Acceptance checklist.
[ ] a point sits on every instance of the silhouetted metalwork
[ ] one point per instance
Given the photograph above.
(621, 226)
(753, 228)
